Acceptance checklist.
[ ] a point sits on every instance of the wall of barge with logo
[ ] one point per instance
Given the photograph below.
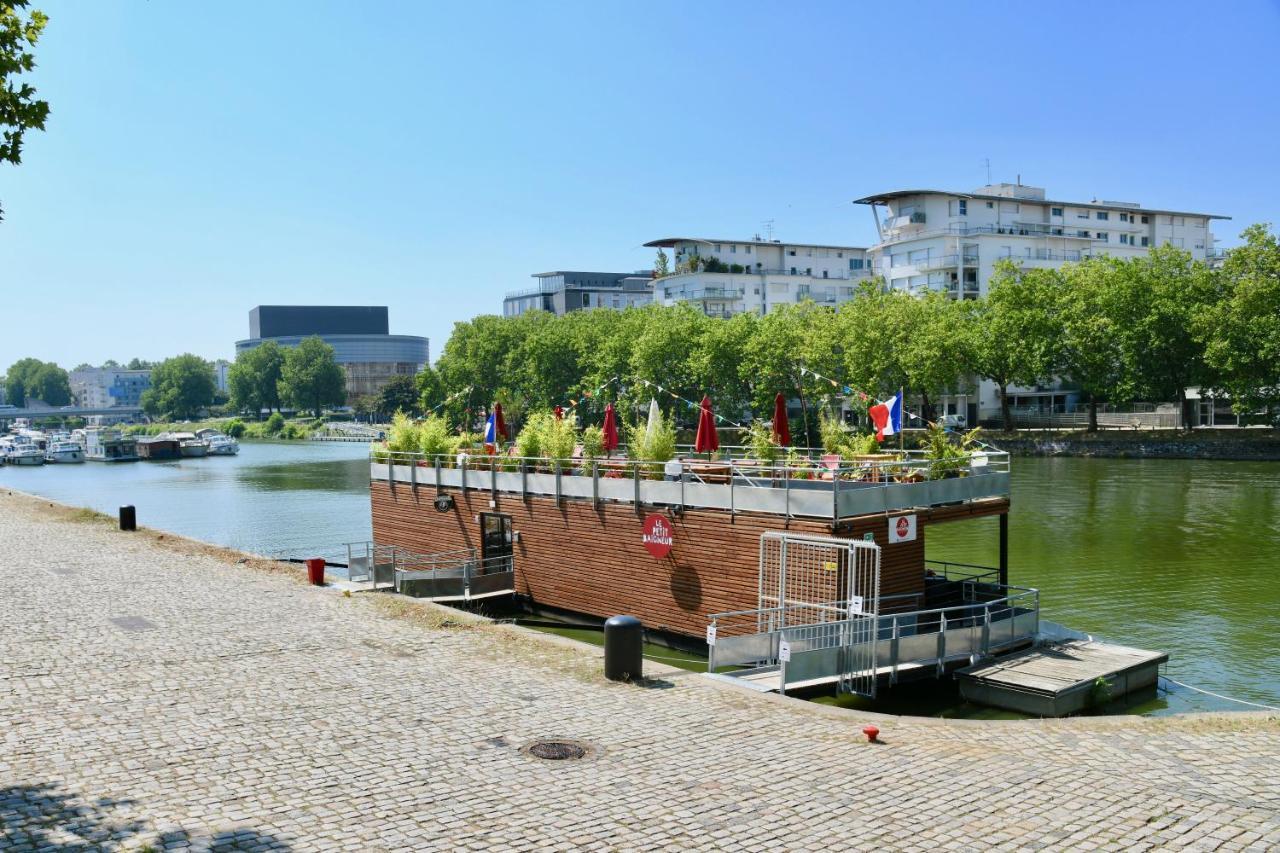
(594, 560)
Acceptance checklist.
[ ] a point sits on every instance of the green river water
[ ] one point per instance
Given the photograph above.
(1177, 555)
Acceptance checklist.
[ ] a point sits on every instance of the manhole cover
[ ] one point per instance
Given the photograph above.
(557, 750)
(132, 623)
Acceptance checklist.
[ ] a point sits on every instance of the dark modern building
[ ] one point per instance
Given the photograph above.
(562, 291)
(359, 334)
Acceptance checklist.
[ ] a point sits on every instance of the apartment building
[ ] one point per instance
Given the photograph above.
(952, 241)
(105, 387)
(727, 277)
(562, 291)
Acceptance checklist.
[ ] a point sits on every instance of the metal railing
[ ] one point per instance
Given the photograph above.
(826, 487)
(989, 619)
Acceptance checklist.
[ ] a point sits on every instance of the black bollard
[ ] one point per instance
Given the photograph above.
(128, 518)
(623, 648)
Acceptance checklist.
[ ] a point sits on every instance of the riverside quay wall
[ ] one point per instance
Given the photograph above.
(1236, 444)
(593, 560)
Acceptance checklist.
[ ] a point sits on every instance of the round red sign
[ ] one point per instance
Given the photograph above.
(657, 535)
(904, 527)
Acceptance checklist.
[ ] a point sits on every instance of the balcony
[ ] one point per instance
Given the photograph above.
(710, 294)
(822, 297)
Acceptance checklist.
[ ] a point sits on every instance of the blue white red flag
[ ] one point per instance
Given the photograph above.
(887, 416)
(491, 430)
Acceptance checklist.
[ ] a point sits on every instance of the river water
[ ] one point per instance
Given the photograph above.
(1177, 555)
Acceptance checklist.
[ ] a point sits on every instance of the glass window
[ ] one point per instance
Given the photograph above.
(717, 247)
(1102, 214)
(747, 249)
(990, 205)
(733, 249)
(958, 207)
(1146, 241)
(1055, 211)
(1103, 236)
(1146, 220)
(791, 252)
(1124, 217)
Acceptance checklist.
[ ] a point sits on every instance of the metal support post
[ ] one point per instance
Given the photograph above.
(1004, 549)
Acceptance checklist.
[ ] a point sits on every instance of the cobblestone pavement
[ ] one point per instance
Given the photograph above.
(158, 694)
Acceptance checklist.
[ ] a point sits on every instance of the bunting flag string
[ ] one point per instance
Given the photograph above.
(672, 394)
(862, 396)
(451, 398)
(573, 403)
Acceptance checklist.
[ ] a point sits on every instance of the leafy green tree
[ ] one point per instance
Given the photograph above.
(1241, 331)
(431, 391)
(311, 376)
(1091, 354)
(254, 380)
(20, 110)
(1014, 332)
(1156, 300)
(137, 364)
(400, 394)
(661, 265)
(111, 362)
(180, 387)
(32, 379)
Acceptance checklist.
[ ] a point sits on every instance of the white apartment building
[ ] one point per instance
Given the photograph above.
(757, 275)
(938, 240)
(951, 241)
(105, 387)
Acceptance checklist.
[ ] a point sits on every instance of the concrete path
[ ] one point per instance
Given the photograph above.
(153, 692)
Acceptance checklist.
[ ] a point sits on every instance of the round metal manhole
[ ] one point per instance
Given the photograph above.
(557, 750)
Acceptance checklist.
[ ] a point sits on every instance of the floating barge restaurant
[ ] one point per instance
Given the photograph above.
(794, 577)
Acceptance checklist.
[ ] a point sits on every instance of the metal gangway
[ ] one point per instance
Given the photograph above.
(817, 626)
(460, 575)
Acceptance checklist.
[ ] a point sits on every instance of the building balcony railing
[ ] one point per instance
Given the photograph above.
(1012, 230)
(823, 487)
(822, 297)
(803, 272)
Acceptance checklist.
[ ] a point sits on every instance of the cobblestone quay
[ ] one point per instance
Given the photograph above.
(156, 693)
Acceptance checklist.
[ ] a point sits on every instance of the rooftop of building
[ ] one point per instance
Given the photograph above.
(669, 242)
(1025, 192)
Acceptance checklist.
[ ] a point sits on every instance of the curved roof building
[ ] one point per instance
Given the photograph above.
(360, 337)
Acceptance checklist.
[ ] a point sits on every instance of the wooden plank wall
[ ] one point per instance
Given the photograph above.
(591, 560)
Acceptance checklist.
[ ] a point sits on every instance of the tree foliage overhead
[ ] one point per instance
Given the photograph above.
(180, 387)
(400, 394)
(32, 379)
(254, 380)
(311, 377)
(20, 109)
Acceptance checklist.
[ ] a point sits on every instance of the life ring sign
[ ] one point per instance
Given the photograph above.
(657, 536)
(902, 529)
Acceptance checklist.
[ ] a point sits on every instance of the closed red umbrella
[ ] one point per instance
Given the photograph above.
(708, 439)
(610, 429)
(781, 429)
(559, 412)
(501, 424)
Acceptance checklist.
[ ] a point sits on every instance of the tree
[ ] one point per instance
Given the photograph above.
(661, 265)
(311, 376)
(111, 362)
(20, 111)
(1241, 332)
(180, 387)
(1156, 299)
(137, 364)
(32, 379)
(1014, 332)
(1091, 354)
(400, 394)
(430, 389)
(365, 407)
(254, 380)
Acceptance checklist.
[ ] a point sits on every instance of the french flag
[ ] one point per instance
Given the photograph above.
(491, 432)
(887, 416)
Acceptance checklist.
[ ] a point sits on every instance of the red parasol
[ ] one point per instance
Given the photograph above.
(610, 429)
(781, 429)
(708, 439)
(559, 412)
(501, 425)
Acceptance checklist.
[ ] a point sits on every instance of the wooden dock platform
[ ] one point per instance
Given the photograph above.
(1060, 678)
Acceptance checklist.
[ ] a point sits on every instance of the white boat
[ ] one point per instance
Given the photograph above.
(23, 452)
(63, 451)
(219, 443)
(189, 444)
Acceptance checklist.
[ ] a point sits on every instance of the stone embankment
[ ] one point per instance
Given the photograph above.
(1255, 445)
(159, 693)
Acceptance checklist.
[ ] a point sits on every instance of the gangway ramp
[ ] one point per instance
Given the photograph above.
(1062, 678)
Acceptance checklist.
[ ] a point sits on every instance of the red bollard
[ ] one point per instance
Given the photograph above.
(315, 571)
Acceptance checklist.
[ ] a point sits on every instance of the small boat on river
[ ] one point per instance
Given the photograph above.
(220, 444)
(20, 451)
(189, 444)
(63, 450)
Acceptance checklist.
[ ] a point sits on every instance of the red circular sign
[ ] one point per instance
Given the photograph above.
(657, 535)
(904, 527)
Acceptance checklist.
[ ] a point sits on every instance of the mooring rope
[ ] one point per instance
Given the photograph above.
(1219, 695)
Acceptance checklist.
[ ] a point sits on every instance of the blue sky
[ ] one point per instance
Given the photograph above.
(201, 159)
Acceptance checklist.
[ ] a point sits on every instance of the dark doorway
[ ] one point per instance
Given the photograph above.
(495, 542)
